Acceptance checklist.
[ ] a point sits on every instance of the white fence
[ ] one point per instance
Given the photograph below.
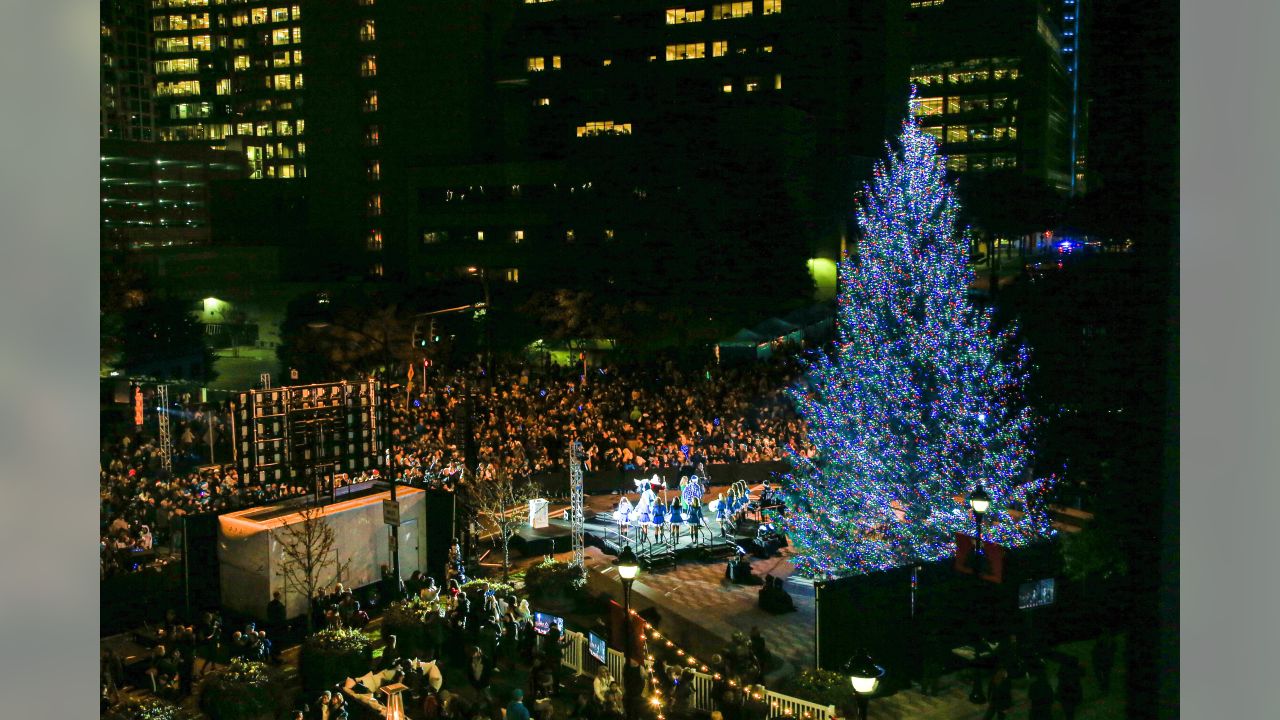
(575, 657)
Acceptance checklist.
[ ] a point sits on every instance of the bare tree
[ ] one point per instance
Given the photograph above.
(310, 556)
(502, 505)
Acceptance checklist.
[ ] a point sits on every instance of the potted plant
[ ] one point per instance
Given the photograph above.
(820, 686)
(244, 690)
(332, 655)
(416, 623)
(148, 708)
(554, 584)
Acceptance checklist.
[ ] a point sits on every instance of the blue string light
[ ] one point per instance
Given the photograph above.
(919, 401)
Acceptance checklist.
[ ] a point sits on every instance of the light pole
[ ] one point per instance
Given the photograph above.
(865, 676)
(979, 502)
(628, 568)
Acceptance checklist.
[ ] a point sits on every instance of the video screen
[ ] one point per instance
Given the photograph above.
(596, 646)
(542, 623)
(1036, 594)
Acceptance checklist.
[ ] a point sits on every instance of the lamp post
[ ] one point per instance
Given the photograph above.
(395, 705)
(865, 676)
(979, 502)
(628, 568)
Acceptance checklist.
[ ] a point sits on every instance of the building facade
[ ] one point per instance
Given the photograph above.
(230, 73)
(126, 109)
(992, 85)
(156, 195)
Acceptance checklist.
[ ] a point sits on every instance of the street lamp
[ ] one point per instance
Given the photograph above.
(979, 501)
(865, 676)
(628, 568)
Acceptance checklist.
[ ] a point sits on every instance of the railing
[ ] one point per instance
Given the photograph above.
(575, 656)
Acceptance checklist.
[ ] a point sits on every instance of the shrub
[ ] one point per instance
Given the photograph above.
(330, 656)
(480, 586)
(552, 578)
(415, 622)
(245, 690)
(820, 686)
(146, 709)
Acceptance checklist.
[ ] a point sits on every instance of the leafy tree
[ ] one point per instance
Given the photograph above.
(162, 332)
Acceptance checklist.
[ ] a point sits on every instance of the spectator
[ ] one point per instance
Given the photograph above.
(277, 621)
(1070, 690)
(1104, 656)
(1040, 695)
(516, 709)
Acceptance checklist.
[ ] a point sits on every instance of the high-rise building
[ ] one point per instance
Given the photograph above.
(648, 139)
(125, 109)
(230, 73)
(992, 85)
(1073, 29)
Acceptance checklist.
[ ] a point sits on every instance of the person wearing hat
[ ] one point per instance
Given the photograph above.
(516, 709)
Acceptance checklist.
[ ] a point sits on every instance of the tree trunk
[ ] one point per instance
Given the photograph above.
(506, 544)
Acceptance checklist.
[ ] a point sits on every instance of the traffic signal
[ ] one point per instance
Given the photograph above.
(419, 340)
(435, 337)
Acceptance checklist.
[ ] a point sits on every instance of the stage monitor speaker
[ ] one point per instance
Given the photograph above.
(746, 528)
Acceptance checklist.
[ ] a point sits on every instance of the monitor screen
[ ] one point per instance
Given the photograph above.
(1036, 594)
(596, 646)
(542, 623)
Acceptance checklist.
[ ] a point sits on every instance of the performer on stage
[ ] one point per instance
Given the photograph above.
(679, 518)
(659, 518)
(695, 519)
(643, 515)
(623, 516)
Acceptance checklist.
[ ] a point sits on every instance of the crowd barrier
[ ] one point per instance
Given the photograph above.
(575, 657)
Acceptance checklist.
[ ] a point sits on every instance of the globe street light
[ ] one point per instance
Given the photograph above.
(979, 501)
(865, 676)
(628, 568)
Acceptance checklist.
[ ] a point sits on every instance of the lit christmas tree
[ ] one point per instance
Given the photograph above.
(920, 401)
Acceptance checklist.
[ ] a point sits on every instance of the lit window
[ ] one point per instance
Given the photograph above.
(263, 129)
(239, 19)
(296, 11)
(512, 275)
(374, 240)
(367, 31)
(374, 169)
(726, 11)
(297, 35)
(369, 66)
(302, 148)
(279, 14)
(1004, 161)
(719, 48)
(555, 62)
(677, 16)
(374, 206)
(921, 107)
(286, 171)
(297, 81)
(280, 36)
(372, 136)
(766, 49)
(568, 236)
(726, 85)
(297, 57)
(371, 101)
(964, 78)
(926, 79)
(605, 127)
(377, 269)
(200, 22)
(606, 62)
(173, 67)
(1005, 74)
(201, 43)
(431, 237)
(542, 101)
(777, 81)
(259, 15)
(536, 64)
(284, 127)
(283, 82)
(957, 133)
(241, 63)
(917, 4)
(608, 233)
(302, 126)
(752, 84)
(935, 132)
(517, 236)
(244, 128)
(771, 6)
(687, 51)
(366, 3)
(184, 87)
(957, 163)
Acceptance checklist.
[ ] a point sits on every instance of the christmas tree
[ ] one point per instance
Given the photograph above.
(920, 400)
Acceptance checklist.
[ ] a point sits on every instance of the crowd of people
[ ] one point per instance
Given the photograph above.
(639, 418)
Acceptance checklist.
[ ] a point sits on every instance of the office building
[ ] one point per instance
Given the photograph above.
(126, 110)
(992, 85)
(231, 74)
